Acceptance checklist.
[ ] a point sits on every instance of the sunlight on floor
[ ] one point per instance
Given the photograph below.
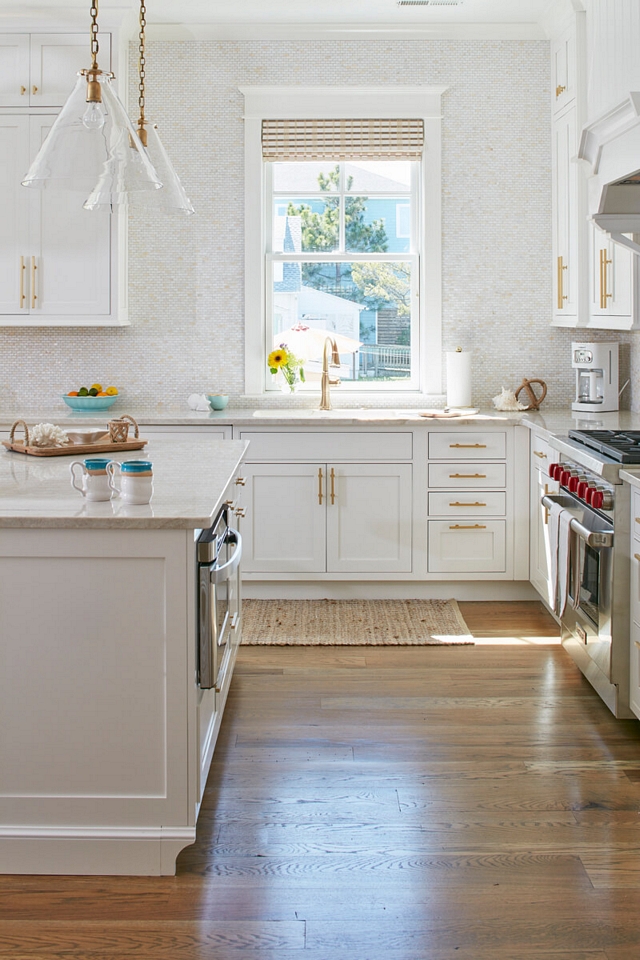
(516, 641)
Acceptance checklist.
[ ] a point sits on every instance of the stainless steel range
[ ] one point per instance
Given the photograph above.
(595, 621)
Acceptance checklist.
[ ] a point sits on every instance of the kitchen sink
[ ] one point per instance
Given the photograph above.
(316, 414)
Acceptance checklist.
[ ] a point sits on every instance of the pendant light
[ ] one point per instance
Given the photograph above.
(172, 198)
(92, 146)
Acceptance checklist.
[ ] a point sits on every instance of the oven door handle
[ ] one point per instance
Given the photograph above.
(594, 538)
(224, 572)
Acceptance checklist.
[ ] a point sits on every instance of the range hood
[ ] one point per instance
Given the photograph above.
(611, 148)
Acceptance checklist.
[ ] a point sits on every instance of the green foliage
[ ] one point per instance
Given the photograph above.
(382, 284)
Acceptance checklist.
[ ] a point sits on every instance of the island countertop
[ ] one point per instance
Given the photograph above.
(189, 483)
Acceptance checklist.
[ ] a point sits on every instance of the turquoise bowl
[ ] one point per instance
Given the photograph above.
(89, 403)
(217, 401)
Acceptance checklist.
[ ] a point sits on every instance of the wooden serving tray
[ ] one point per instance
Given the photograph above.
(74, 449)
(101, 444)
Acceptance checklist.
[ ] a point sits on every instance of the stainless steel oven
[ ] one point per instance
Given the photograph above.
(595, 620)
(219, 551)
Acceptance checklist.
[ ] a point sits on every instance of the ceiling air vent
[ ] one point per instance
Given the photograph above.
(430, 3)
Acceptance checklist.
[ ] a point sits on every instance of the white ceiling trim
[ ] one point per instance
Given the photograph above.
(342, 31)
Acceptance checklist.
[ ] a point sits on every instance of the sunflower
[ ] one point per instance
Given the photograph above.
(276, 359)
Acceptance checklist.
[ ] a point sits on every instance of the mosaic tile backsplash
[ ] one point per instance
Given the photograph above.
(186, 277)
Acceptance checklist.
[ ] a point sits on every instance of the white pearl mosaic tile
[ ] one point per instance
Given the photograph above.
(186, 277)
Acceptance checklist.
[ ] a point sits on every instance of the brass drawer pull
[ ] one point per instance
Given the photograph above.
(562, 296)
(23, 295)
(560, 89)
(320, 485)
(539, 453)
(240, 511)
(468, 446)
(458, 504)
(468, 476)
(234, 621)
(473, 526)
(34, 89)
(23, 90)
(637, 519)
(241, 481)
(34, 296)
(604, 296)
(637, 556)
(333, 487)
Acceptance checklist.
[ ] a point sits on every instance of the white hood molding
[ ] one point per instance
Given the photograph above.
(611, 147)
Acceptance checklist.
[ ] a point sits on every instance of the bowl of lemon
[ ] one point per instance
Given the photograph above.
(94, 397)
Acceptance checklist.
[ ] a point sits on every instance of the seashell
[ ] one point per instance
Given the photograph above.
(506, 400)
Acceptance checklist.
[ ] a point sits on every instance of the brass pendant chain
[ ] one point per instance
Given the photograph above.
(95, 47)
(142, 133)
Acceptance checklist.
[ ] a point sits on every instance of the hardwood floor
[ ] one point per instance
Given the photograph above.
(385, 803)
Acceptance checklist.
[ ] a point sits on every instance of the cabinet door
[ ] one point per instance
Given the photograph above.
(69, 256)
(566, 197)
(369, 517)
(612, 281)
(55, 59)
(284, 527)
(14, 70)
(14, 203)
(563, 69)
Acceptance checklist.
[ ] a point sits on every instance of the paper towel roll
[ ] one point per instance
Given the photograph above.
(459, 379)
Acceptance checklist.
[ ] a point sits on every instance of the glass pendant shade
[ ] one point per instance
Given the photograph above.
(93, 148)
(171, 199)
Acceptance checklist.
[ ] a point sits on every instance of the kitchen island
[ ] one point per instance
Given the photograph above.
(103, 728)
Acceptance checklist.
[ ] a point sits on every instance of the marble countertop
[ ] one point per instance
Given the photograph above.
(632, 478)
(546, 421)
(189, 483)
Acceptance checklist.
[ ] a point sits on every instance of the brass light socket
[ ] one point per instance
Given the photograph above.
(94, 93)
(142, 134)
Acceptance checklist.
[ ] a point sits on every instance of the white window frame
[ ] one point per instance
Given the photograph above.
(267, 102)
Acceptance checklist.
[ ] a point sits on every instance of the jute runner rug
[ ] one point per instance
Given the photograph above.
(353, 622)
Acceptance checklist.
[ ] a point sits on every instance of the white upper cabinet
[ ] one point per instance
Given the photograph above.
(613, 283)
(38, 70)
(569, 223)
(564, 74)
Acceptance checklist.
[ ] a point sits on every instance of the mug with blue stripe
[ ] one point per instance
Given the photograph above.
(136, 480)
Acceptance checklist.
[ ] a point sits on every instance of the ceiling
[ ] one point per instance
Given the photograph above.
(522, 17)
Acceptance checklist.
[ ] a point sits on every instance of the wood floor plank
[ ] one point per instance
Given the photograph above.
(476, 803)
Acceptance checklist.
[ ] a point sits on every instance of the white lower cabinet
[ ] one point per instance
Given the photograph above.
(540, 484)
(328, 518)
(477, 546)
(634, 604)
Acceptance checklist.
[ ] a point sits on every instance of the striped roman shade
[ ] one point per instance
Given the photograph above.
(364, 139)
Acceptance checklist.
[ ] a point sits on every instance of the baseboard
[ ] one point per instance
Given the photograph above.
(388, 590)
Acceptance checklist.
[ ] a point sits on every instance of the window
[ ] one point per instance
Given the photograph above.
(343, 233)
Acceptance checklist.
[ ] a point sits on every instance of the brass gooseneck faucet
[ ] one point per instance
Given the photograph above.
(327, 381)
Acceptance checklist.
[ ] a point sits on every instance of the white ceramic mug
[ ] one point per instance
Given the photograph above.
(136, 480)
(93, 483)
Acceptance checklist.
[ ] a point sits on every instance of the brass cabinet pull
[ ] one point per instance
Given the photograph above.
(333, 488)
(23, 295)
(472, 526)
(468, 446)
(637, 556)
(320, 485)
(23, 90)
(546, 509)
(604, 295)
(468, 476)
(234, 621)
(34, 89)
(241, 481)
(456, 503)
(34, 296)
(562, 296)
(240, 511)
(559, 89)
(538, 453)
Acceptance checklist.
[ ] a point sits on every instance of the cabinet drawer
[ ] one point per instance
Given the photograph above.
(467, 546)
(455, 504)
(541, 454)
(464, 476)
(467, 446)
(634, 585)
(325, 447)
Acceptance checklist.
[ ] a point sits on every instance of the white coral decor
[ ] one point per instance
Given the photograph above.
(47, 435)
(506, 400)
